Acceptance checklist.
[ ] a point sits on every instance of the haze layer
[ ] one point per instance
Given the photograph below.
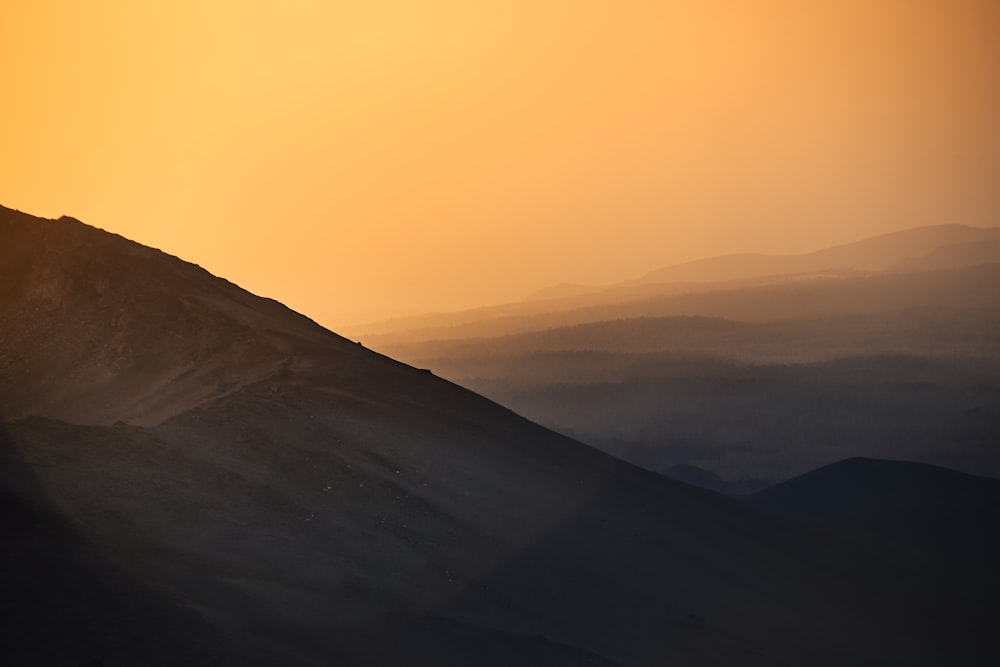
(365, 159)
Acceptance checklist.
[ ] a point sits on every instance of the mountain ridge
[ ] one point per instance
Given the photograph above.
(876, 253)
(897, 251)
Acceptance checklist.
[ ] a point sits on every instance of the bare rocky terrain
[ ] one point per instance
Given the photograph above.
(195, 475)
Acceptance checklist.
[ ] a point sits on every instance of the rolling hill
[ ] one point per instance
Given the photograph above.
(943, 511)
(798, 283)
(753, 367)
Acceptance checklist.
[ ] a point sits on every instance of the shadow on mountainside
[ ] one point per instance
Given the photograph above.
(83, 588)
(65, 603)
(713, 583)
(736, 590)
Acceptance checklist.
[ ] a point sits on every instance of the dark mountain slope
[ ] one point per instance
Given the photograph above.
(248, 476)
(944, 511)
(65, 603)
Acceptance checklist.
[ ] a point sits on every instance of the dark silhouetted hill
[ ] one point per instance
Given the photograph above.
(940, 510)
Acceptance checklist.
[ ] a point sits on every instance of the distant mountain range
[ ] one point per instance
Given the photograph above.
(923, 248)
(888, 347)
(190, 474)
(886, 252)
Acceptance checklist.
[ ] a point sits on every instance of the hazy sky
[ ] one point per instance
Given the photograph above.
(355, 159)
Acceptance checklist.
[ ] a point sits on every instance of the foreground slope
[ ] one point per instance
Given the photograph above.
(192, 474)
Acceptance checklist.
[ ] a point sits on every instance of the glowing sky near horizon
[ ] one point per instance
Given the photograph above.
(362, 159)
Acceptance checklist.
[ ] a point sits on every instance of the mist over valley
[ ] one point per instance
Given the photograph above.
(754, 379)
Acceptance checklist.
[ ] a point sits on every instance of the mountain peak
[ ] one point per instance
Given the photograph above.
(155, 335)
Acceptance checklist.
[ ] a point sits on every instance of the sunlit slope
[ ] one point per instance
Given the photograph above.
(96, 329)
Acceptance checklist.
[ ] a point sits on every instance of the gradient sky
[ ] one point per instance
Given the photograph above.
(361, 159)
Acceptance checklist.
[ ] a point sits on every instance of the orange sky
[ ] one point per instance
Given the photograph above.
(359, 159)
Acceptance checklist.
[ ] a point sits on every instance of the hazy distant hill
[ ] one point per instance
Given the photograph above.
(934, 329)
(914, 373)
(940, 510)
(764, 378)
(879, 253)
(195, 475)
(666, 291)
(953, 256)
(563, 291)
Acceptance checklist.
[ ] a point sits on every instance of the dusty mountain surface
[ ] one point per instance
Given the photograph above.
(190, 474)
